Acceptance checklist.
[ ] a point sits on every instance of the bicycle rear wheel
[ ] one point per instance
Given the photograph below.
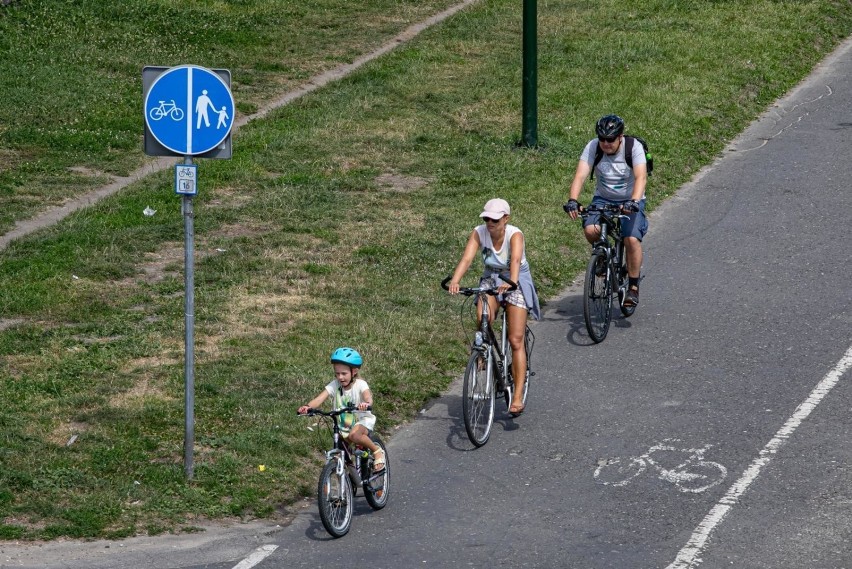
(478, 398)
(376, 486)
(335, 500)
(597, 297)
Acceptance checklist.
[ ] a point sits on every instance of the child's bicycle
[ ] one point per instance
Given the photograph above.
(345, 469)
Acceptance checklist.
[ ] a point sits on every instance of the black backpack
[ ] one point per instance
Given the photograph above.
(628, 154)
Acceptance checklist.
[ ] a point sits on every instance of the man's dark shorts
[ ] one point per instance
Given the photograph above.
(635, 226)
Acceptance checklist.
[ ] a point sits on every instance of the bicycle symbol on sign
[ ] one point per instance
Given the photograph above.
(186, 172)
(691, 475)
(166, 109)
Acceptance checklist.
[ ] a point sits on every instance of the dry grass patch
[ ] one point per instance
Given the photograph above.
(393, 182)
(234, 230)
(19, 365)
(64, 434)
(10, 158)
(144, 389)
(87, 171)
(261, 313)
(157, 265)
(357, 233)
(6, 323)
(228, 196)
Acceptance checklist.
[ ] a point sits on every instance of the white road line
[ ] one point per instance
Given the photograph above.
(689, 556)
(256, 557)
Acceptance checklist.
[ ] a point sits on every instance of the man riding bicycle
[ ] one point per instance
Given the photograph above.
(617, 184)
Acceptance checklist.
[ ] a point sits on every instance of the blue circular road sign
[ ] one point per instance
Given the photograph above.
(189, 110)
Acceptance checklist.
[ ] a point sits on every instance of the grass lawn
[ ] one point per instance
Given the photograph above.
(332, 224)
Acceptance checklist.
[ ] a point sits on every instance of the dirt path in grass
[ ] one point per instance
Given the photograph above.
(154, 165)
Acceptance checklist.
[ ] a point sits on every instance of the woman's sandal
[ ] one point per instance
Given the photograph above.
(378, 460)
(518, 409)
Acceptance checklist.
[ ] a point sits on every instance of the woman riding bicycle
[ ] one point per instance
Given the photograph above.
(504, 256)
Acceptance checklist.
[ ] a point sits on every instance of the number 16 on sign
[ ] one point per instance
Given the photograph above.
(186, 178)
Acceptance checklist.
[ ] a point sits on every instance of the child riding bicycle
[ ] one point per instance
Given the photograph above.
(349, 389)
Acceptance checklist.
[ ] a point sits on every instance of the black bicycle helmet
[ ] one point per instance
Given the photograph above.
(610, 126)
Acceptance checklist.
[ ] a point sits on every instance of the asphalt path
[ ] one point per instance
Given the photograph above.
(711, 429)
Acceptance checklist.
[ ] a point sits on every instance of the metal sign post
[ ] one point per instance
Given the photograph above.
(529, 128)
(189, 321)
(189, 111)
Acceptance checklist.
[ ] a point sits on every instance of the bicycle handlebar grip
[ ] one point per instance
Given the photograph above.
(512, 284)
(445, 281)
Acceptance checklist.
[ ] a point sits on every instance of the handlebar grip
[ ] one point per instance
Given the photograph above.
(512, 284)
(445, 281)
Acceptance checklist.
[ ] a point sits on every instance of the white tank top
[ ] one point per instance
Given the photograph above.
(499, 260)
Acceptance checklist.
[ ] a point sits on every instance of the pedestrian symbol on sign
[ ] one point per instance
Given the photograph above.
(223, 117)
(201, 106)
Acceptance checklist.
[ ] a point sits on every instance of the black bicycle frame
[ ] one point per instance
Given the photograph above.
(351, 460)
(482, 297)
(500, 358)
(610, 224)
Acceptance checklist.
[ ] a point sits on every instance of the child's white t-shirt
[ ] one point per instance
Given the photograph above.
(353, 395)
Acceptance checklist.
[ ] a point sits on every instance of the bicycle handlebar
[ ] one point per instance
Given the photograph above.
(334, 412)
(603, 209)
(468, 291)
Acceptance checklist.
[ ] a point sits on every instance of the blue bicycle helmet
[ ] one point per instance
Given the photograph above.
(346, 356)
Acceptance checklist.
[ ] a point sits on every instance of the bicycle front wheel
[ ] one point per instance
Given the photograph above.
(623, 281)
(376, 486)
(597, 297)
(510, 380)
(335, 500)
(478, 398)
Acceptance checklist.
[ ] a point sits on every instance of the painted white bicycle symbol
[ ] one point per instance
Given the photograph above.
(691, 475)
(166, 109)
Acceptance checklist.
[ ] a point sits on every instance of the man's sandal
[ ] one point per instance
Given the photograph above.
(378, 460)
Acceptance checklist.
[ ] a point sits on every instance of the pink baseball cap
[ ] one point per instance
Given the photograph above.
(495, 209)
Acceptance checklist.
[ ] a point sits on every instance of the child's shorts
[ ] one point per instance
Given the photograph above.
(346, 434)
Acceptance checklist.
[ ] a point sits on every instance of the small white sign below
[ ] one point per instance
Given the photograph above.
(186, 179)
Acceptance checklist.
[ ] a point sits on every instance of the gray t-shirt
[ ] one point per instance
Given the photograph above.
(614, 179)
